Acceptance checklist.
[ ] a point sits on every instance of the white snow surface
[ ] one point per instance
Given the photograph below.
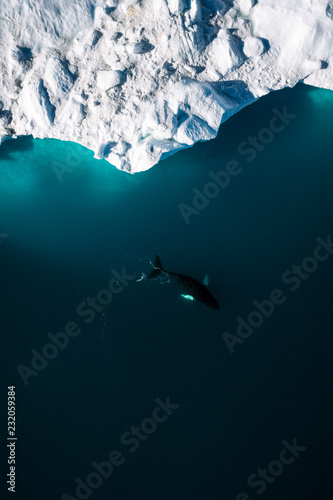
(135, 81)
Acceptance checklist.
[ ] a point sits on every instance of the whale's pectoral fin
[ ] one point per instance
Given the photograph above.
(206, 280)
(187, 297)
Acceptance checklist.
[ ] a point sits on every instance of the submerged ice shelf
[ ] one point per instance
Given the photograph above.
(135, 81)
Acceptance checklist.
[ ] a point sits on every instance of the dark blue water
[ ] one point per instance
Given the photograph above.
(60, 242)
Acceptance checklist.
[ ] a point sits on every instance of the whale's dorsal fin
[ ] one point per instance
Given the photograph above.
(206, 280)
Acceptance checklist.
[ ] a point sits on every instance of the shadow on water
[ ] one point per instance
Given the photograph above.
(15, 146)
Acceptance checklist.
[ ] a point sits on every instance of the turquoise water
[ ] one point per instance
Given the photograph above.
(67, 221)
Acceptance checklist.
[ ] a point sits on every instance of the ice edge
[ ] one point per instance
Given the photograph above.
(136, 81)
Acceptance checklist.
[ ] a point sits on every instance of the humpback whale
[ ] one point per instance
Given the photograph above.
(194, 289)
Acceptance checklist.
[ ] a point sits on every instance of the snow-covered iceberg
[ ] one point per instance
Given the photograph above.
(135, 81)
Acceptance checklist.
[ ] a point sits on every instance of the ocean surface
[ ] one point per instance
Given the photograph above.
(164, 389)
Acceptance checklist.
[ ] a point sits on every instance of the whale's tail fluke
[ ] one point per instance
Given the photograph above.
(157, 268)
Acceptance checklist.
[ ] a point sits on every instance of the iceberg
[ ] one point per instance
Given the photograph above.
(137, 80)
